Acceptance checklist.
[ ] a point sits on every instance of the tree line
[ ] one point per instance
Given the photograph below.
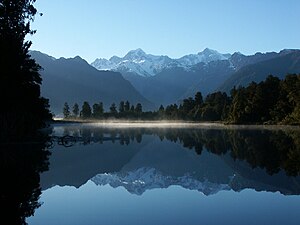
(272, 101)
(96, 111)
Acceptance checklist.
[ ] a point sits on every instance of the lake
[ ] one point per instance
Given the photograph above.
(154, 174)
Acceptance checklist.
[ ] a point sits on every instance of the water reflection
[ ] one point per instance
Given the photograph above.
(20, 166)
(270, 149)
(207, 160)
(144, 162)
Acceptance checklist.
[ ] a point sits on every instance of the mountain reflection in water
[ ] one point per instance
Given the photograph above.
(204, 160)
(207, 160)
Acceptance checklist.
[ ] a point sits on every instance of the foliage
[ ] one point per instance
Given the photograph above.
(66, 110)
(127, 106)
(20, 168)
(113, 109)
(23, 111)
(86, 111)
(138, 109)
(75, 110)
(122, 107)
(98, 110)
(270, 101)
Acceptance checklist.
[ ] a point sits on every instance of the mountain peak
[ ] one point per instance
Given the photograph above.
(135, 54)
(141, 63)
(38, 54)
(208, 50)
(287, 51)
(139, 51)
(77, 57)
(237, 54)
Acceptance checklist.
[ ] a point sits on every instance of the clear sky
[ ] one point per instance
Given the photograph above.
(103, 28)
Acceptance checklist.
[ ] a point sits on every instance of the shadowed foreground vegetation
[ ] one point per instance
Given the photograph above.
(20, 168)
(23, 110)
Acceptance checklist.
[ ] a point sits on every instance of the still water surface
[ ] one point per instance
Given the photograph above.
(179, 175)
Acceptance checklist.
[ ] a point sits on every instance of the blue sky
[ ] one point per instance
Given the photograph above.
(103, 28)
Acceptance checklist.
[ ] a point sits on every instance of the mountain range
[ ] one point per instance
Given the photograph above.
(154, 80)
(163, 80)
(146, 65)
(286, 62)
(74, 80)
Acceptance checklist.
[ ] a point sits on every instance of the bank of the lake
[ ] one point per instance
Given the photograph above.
(172, 124)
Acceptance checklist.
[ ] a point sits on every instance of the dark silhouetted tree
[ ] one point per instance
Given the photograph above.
(161, 108)
(75, 110)
(132, 109)
(86, 111)
(186, 108)
(98, 110)
(290, 88)
(20, 168)
(215, 107)
(121, 107)
(23, 111)
(127, 106)
(171, 111)
(239, 102)
(198, 99)
(113, 109)
(161, 111)
(138, 108)
(66, 110)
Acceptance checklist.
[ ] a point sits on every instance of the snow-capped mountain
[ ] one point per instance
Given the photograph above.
(137, 61)
(206, 56)
(143, 179)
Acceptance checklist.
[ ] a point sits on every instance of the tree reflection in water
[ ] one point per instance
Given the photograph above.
(20, 166)
(272, 150)
(22, 163)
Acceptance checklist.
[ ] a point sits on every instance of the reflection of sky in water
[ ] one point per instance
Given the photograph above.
(177, 183)
(91, 204)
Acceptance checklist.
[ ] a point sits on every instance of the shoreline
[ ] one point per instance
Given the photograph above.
(115, 123)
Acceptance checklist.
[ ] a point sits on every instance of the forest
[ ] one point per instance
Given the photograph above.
(272, 101)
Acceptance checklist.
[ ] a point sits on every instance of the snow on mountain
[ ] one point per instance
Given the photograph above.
(206, 56)
(137, 61)
(104, 64)
(143, 179)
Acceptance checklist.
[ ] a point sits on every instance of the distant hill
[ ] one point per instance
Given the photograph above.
(173, 84)
(164, 88)
(288, 62)
(74, 80)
